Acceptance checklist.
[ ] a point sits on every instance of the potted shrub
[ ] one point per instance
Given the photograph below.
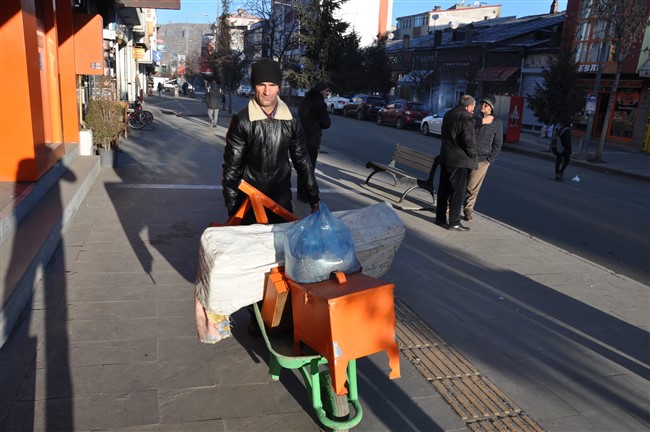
(104, 118)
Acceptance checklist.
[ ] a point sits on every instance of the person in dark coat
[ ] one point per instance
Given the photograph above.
(212, 101)
(185, 87)
(314, 117)
(489, 139)
(261, 139)
(457, 156)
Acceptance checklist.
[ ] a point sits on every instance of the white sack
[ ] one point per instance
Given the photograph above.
(233, 260)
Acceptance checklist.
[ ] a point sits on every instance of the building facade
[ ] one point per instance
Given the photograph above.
(501, 56)
(629, 121)
(421, 24)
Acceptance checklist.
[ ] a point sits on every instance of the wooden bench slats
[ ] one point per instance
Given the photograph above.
(404, 156)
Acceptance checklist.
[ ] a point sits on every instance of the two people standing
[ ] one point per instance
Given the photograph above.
(469, 146)
(457, 156)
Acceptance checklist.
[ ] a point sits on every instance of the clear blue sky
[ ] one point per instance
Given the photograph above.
(193, 10)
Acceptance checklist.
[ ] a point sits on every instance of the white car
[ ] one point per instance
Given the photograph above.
(433, 124)
(336, 103)
(245, 90)
(170, 86)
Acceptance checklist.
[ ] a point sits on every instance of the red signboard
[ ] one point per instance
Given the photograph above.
(207, 52)
(515, 114)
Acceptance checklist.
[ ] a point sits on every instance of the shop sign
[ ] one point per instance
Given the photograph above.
(588, 68)
(138, 53)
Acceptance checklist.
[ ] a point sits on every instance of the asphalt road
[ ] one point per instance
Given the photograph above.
(603, 218)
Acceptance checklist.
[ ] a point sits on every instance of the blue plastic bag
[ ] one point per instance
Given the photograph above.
(318, 245)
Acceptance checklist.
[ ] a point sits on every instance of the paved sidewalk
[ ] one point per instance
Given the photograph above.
(108, 341)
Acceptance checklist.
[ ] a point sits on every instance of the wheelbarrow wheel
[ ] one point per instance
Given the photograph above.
(336, 407)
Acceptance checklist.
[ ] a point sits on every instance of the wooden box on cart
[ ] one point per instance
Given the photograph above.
(344, 319)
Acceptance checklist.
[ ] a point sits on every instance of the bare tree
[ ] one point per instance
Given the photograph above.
(626, 21)
(282, 23)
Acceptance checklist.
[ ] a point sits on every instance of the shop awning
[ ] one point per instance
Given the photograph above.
(493, 73)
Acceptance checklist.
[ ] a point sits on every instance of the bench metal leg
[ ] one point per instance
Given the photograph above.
(381, 170)
(420, 185)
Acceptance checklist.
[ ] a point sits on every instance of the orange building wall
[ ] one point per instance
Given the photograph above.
(69, 110)
(21, 122)
(38, 95)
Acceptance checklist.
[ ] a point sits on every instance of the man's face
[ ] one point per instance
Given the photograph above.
(266, 95)
(470, 108)
(486, 108)
(325, 93)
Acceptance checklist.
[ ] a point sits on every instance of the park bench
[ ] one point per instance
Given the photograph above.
(404, 157)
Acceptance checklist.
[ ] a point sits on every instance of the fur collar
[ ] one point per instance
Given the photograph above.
(255, 112)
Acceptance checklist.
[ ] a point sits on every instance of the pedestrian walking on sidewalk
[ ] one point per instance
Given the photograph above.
(457, 156)
(212, 101)
(561, 147)
(489, 139)
(260, 140)
(314, 118)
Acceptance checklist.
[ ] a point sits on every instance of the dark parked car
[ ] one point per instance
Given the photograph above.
(363, 106)
(402, 113)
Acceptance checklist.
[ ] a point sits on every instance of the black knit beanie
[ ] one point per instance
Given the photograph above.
(266, 70)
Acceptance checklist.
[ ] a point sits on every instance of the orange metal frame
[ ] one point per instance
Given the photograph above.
(257, 201)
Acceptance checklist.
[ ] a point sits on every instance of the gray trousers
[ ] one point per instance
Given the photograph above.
(213, 114)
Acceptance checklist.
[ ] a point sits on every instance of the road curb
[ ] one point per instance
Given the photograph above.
(600, 167)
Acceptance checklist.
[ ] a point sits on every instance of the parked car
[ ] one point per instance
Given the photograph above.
(363, 106)
(170, 86)
(432, 124)
(402, 113)
(336, 103)
(244, 90)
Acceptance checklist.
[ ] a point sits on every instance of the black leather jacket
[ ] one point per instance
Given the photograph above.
(258, 151)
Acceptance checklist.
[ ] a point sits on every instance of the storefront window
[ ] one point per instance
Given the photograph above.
(625, 109)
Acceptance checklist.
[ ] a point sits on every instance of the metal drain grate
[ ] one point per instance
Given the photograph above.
(475, 399)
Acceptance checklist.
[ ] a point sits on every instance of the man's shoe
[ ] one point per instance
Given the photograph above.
(469, 215)
(458, 227)
(558, 177)
(440, 223)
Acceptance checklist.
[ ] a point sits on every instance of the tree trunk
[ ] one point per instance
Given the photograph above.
(610, 108)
